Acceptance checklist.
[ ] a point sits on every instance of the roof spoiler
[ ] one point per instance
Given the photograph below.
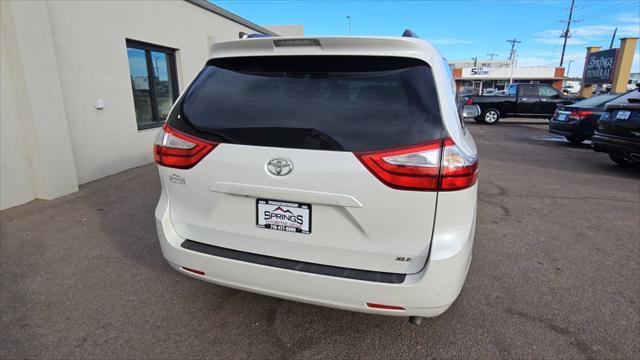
(410, 33)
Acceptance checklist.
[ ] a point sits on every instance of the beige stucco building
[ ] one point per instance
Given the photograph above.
(84, 85)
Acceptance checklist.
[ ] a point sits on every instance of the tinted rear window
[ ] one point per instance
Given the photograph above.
(346, 103)
(632, 96)
(596, 101)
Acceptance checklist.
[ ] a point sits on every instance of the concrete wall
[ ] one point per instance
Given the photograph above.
(58, 58)
(16, 186)
(37, 158)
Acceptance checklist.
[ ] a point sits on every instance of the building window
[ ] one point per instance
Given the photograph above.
(154, 82)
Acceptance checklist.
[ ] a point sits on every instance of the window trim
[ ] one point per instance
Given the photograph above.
(173, 73)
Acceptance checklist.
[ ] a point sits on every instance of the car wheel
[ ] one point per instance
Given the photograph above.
(574, 140)
(490, 116)
(620, 160)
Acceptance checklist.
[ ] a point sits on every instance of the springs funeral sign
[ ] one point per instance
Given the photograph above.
(599, 67)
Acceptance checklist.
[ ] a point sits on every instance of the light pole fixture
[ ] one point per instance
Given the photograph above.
(349, 20)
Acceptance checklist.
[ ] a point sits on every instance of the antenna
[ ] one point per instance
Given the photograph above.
(410, 33)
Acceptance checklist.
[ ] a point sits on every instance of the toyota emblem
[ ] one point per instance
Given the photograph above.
(279, 166)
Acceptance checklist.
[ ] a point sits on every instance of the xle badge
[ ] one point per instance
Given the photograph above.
(404, 259)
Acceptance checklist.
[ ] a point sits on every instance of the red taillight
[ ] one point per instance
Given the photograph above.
(178, 150)
(438, 165)
(580, 114)
(469, 101)
(385, 307)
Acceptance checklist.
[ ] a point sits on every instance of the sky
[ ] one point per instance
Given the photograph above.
(463, 29)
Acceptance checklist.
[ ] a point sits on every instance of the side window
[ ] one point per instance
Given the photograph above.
(511, 90)
(528, 90)
(152, 72)
(547, 91)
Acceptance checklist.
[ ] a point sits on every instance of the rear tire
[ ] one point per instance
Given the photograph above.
(574, 140)
(490, 116)
(620, 161)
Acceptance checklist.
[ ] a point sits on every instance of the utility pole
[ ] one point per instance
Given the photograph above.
(475, 61)
(349, 19)
(566, 32)
(513, 59)
(491, 55)
(613, 38)
(513, 46)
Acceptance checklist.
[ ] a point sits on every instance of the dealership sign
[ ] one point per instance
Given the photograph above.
(599, 66)
(479, 71)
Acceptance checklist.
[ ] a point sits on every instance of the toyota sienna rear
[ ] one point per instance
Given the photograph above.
(334, 171)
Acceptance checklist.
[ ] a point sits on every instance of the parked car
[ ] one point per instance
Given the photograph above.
(500, 93)
(489, 91)
(571, 89)
(529, 100)
(577, 122)
(618, 132)
(340, 176)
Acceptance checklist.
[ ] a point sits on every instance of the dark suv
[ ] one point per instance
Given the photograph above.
(618, 131)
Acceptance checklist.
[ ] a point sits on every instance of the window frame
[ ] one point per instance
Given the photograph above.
(173, 73)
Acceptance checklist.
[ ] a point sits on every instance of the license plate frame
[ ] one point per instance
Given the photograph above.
(285, 216)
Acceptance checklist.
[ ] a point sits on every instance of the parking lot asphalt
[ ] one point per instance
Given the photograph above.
(555, 274)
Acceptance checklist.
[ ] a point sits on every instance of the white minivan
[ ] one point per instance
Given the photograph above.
(334, 171)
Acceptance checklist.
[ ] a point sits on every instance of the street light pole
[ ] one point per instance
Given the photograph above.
(349, 19)
(569, 67)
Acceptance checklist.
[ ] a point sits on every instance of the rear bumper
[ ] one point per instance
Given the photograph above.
(618, 146)
(572, 129)
(427, 293)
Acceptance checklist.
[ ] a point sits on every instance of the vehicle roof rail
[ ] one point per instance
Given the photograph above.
(410, 33)
(244, 35)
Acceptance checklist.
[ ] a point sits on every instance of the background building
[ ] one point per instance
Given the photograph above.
(85, 84)
(479, 76)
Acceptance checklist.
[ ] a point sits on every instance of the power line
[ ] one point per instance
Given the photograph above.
(592, 13)
(566, 33)
(491, 55)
